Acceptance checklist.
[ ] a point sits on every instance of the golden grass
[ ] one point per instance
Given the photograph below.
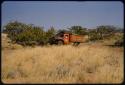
(87, 63)
(63, 64)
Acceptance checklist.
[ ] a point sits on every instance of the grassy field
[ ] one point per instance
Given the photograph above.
(87, 63)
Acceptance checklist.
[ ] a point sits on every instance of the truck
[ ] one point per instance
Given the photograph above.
(65, 38)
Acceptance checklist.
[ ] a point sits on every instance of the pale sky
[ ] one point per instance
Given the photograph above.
(64, 14)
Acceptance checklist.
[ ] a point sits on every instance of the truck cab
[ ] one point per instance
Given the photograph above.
(60, 38)
(66, 38)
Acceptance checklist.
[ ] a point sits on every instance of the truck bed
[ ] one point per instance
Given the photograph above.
(78, 38)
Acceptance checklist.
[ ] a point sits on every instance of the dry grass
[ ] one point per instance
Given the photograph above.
(87, 63)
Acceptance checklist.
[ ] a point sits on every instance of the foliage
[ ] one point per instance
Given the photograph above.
(50, 32)
(78, 30)
(93, 35)
(27, 34)
(119, 40)
(102, 32)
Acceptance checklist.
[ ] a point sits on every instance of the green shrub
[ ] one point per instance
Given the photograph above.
(102, 32)
(119, 40)
(25, 34)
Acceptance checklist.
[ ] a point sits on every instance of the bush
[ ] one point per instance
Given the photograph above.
(25, 34)
(102, 32)
(78, 30)
(93, 35)
(119, 40)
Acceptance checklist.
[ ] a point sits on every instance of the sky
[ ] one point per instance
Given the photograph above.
(64, 14)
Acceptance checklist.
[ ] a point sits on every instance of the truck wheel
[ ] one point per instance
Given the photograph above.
(76, 43)
(60, 42)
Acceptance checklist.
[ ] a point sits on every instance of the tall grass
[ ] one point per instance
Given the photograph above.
(63, 64)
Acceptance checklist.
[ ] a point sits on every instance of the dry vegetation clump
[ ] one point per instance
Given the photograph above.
(63, 64)
(7, 44)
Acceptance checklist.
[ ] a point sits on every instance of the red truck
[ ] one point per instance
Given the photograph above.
(67, 38)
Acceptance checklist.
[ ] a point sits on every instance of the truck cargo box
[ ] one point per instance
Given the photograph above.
(78, 38)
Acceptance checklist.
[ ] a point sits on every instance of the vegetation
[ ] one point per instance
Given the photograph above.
(27, 34)
(78, 30)
(34, 35)
(92, 63)
(63, 64)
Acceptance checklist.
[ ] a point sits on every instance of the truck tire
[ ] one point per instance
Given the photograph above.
(76, 43)
(60, 42)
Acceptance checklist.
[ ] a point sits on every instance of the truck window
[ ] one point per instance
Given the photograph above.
(66, 36)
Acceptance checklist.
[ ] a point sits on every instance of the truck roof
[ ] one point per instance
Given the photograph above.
(63, 32)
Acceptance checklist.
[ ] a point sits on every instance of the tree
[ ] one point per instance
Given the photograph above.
(25, 34)
(102, 32)
(105, 31)
(78, 30)
(93, 35)
(50, 32)
(14, 28)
